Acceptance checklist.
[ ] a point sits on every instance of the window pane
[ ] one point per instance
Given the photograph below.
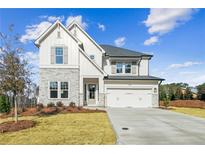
(127, 68)
(59, 59)
(59, 51)
(53, 94)
(92, 89)
(53, 85)
(64, 85)
(64, 94)
(64, 89)
(119, 67)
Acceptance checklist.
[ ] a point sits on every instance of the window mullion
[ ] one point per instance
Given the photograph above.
(123, 68)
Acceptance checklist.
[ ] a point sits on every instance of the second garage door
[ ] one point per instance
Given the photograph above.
(122, 97)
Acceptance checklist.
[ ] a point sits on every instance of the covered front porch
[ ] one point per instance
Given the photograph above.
(92, 91)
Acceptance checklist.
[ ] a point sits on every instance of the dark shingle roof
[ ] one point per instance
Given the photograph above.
(112, 77)
(113, 51)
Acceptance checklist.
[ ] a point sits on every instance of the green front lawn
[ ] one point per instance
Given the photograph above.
(191, 111)
(76, 128)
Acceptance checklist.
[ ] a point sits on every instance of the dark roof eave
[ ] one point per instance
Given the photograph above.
(124, 78)
(135, 79)
(149, 56)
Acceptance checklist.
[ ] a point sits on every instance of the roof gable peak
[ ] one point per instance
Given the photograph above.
(49, 29)
(75, 23)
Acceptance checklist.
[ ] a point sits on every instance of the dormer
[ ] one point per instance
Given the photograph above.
(125, 62)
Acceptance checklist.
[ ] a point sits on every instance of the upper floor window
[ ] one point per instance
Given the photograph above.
(92, 57)
(59, 55)
(119, 67)
(123, 68)
(127, 68)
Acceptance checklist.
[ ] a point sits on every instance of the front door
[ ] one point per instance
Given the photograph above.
(91, 93)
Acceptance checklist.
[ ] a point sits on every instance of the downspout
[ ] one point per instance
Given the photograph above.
(158, 92)
(139, 66)
(79, 97)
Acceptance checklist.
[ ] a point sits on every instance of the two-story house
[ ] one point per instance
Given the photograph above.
(74, 68)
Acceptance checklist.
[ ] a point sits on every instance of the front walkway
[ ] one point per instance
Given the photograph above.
(156, 126)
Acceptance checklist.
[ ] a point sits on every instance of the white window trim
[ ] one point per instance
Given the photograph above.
(59, 90)
(62, 55)
(123, 67)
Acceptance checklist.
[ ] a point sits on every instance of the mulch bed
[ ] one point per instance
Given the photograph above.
(52, 110)
(30, 112)
(186, 103)
(11, 126)
(80, 110)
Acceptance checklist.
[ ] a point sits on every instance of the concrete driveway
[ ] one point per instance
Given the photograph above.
(156, 126)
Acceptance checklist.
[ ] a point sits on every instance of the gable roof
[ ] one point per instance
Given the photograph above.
(92, 62)
(113, 51)
(50, 29)
(86, 34)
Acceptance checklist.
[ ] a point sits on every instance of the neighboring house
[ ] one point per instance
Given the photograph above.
(74, 68)
(193, 91)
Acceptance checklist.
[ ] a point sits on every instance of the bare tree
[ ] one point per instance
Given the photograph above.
(14, 69)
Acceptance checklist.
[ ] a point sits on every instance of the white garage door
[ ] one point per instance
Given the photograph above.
(122, 97)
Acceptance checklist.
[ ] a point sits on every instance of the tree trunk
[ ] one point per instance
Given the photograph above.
(16, 109)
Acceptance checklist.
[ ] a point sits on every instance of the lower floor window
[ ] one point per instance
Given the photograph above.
(64, 89)
(127, 68)
(53, 89)
(58, 87)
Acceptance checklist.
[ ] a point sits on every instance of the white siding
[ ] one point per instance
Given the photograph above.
(88, 70)
(64, 40)
(89, 47)
(107, 66)
(144, 67)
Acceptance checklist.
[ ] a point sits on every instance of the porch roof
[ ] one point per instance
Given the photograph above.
(112, 77)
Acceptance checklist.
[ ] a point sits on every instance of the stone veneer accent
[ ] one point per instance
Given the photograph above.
(101, 99)
(59, 74)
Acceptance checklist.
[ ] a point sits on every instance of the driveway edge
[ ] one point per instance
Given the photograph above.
(117, 137)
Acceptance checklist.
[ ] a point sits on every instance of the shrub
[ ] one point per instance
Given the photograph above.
(166, 101)
(51, 105)
(80, 108)
(72, 104)
(39, 106)
(4, 104)
(59, 104)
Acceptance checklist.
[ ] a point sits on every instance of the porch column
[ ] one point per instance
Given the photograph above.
(81, 91)
(101, 91)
